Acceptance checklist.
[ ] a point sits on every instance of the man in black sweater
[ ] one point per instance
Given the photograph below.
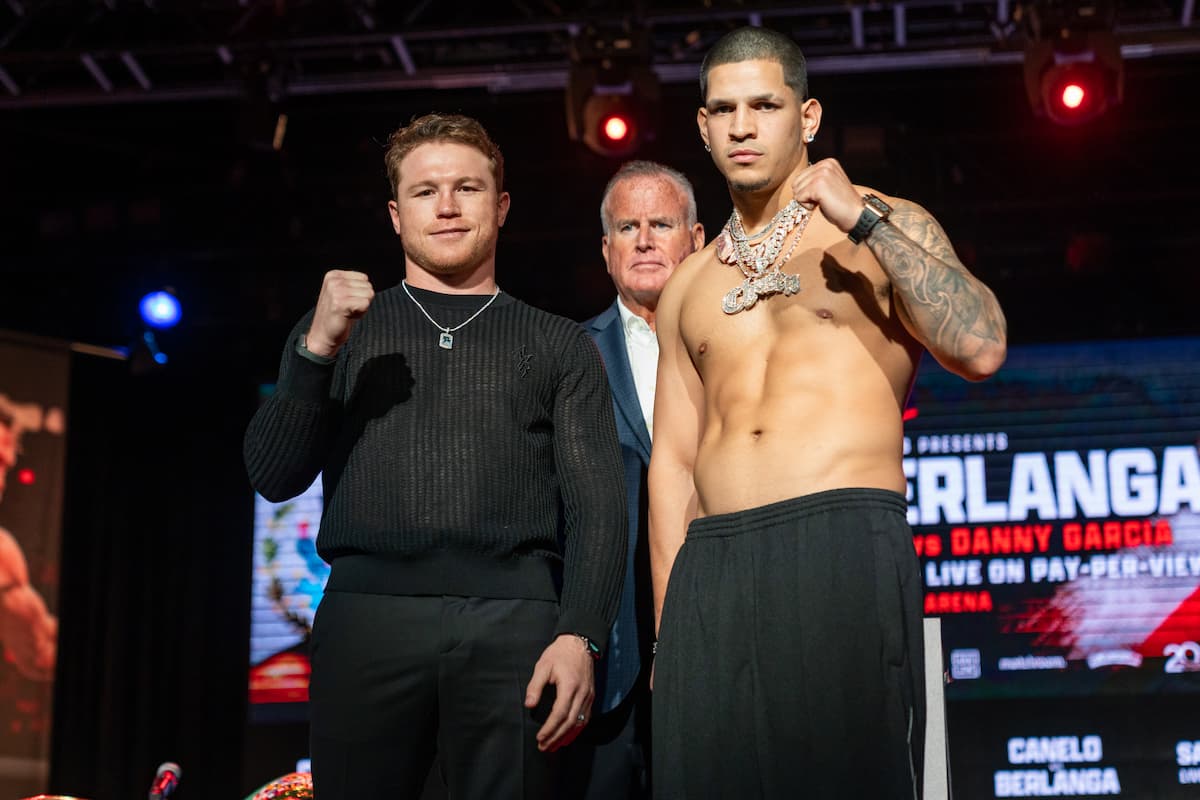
(462, 435)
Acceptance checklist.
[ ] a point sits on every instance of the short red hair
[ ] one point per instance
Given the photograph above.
(454, 128)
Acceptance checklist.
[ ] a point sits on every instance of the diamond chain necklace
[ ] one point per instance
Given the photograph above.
(446, 339)
(760, 263)
(754, 259)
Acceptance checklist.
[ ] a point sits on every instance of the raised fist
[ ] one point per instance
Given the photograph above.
(345, 297)
(825, 185)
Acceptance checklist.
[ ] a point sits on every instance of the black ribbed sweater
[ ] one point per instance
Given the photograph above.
(458, 471)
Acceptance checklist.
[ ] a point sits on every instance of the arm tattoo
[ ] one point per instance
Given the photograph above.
(956, 314)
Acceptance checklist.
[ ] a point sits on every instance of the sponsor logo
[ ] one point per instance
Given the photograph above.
(1030, 662)
(1114, 658)
(965, 665)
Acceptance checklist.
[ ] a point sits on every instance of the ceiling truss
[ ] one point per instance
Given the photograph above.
(56, 53)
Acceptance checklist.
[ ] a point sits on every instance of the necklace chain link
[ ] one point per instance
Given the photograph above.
(446, 340)
(759, 262)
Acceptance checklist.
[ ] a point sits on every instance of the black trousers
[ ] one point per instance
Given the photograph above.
(610, 759)
(790, 655)
(397, 681)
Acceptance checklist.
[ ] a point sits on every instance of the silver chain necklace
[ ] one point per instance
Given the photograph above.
(757, 252)
(446, 339)
(756, 256)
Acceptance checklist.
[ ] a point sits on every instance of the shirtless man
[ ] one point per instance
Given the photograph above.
(789, 661)
(28, 631)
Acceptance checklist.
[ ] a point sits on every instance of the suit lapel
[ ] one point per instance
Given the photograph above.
(610, 338)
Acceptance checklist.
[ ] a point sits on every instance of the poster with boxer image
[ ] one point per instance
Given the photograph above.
(287, 585)
(33, 424)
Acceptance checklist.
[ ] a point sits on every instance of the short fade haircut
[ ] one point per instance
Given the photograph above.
(451, 128)
(648, 169)
(754, 44)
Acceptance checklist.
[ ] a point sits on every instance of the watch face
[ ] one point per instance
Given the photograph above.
(878, 205)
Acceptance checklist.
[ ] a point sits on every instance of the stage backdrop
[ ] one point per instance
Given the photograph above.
(1056, 512)
(33, 396)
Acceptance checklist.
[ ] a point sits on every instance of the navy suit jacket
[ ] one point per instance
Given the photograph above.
(632, 632)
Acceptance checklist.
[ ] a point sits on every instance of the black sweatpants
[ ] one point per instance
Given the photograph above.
(790, 654)
(398, 680)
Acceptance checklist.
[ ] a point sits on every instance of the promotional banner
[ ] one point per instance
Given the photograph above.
(288, 582)
(286, 586)
(33, 423)
(1056, 510)
(1100, 747)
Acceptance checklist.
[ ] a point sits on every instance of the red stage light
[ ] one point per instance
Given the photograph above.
(26, 477)
(612, 124)
(616, 128)
(1073, 95)
(1073, 78)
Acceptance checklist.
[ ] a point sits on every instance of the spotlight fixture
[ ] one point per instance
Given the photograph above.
(612, 91)
(1073, 66)
(160, 309)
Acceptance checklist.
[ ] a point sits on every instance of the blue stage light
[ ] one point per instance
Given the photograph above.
(160, 310)
(151, 342)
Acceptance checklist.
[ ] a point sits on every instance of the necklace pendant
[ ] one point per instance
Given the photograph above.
(740, 297)
(446, 341)
(731, 303)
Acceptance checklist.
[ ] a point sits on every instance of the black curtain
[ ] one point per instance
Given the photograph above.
(154, 611)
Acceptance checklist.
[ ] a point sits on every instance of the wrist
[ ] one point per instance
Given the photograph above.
(874, 213)
(589, 647)
(312, 349)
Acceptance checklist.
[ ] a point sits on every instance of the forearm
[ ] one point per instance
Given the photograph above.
(596, 537)
(14, 571)
(673, 505)
(950, 311)
(588, 464)
(593, 574)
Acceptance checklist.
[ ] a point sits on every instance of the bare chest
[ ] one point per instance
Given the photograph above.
(839, 292)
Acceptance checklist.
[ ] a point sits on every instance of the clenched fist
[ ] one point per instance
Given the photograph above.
(345, 297)
(824, 184)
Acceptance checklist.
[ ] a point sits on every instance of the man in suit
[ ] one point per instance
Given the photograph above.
(649, 217)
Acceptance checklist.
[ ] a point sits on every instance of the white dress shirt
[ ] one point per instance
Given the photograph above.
(641, 345)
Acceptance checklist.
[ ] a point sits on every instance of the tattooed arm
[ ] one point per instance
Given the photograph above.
(943, 305)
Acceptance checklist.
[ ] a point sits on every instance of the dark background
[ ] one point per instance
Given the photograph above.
(1084, 233)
